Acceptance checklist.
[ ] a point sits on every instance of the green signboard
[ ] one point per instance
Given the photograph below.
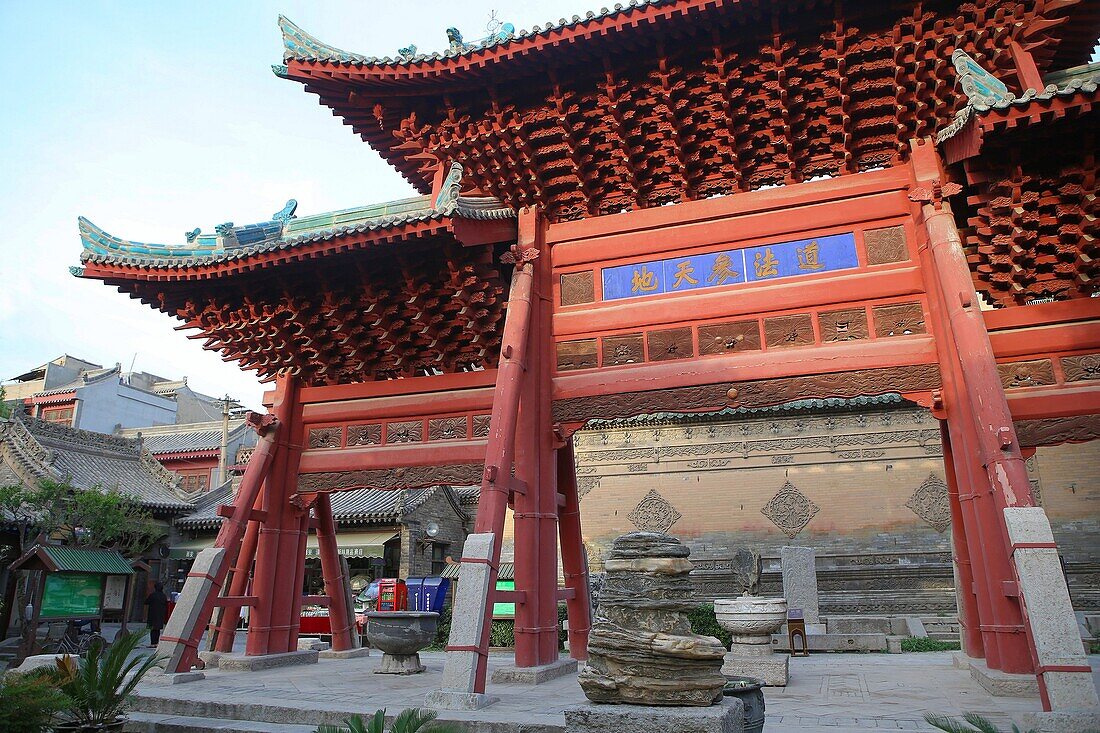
(505, 610)
(72, 595)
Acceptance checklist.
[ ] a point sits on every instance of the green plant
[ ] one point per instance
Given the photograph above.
(411, 720)
(28, 702)
(704, 623)
(442, 630)
(980, 724)
(927, 644)
(99, 685)
(502, 633)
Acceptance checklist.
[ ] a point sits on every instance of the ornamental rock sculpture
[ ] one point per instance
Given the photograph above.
(641, 650)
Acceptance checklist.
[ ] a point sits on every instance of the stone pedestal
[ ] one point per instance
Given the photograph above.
(800, 581)
(752, 621)
(257, 662)
(470, 603)
(534, 675)
(359, 651)
(400, 664)
(642, 650)
(725, 717)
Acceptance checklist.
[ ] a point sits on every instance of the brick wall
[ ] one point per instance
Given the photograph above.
(416, 555)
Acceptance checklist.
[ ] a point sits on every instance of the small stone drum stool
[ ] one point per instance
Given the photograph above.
(796, 629)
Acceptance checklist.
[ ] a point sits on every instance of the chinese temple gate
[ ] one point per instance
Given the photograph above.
(675, 205)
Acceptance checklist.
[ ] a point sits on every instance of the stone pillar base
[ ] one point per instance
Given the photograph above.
(359, 651)
(1003, 684)
(451, 700)
(257, 662)
(535, 675)
(176, 678)
(1063, 721)
(772, 669)
(727, 716)
(400, 664)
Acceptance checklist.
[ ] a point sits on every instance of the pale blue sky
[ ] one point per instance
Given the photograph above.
(154, 118)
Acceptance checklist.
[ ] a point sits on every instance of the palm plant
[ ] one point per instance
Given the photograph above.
(411, 720)
(99, 685)
(978, 723)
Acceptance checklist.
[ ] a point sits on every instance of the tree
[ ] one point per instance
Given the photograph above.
(6, 408)
(94, 517)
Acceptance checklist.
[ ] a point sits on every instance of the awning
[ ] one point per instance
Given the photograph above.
(507, 571)
(57, 558)
(350, 544)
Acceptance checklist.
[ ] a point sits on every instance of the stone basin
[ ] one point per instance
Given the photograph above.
(750, 615)
(401, 635)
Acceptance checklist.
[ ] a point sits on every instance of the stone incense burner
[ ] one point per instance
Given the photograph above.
(401, 635)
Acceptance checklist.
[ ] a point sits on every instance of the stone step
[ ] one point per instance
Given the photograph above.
(157, 723)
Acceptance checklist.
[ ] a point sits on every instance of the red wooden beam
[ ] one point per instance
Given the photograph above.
(403, 406)
(1034, 403)
(395, 387)
(393, 456)
(1046, 339)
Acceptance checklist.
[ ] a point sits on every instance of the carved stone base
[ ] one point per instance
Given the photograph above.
(400, 664)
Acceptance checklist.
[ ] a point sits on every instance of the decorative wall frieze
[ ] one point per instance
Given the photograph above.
(931, 503)
(624, 349)
(843, 325)
(673, 343)
(654, 513)
(481, 426)
(409, 431)
(725, 338)
(784, 332)
(790, 510)
(1055, 430)
(585, 484)
(885, 246)
(412, 477)
(1033, 373)
(580, 354)
(577, 288)
(326, 437)
(1080, 368)
(360, 435)
(903, 319)
(447, 428)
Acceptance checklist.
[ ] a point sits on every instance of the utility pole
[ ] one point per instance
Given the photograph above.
(223, 457)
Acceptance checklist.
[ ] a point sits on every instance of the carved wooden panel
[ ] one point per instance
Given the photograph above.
(481, 426)
(447, 428)
(625, 349)
(903, 319)
(886, 245)
(412, 477)
(843, 325)
(723, 338)
(1079, 368)
(325, 437)
(411, 431)
(1055, 430)
(576, 354)
(784, 332)
(674, 343)
(1026, 373)
(364, 434)
(577, 288)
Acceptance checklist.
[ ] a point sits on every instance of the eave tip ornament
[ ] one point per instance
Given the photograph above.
(517, 256)
(934, 193)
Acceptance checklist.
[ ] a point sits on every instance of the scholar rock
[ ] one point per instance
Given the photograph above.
(641, 650)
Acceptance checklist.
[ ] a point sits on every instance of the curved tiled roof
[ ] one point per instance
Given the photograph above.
(809, 405)
(38, 449)
(232, 244)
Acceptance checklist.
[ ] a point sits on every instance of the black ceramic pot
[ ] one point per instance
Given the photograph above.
(750, 691)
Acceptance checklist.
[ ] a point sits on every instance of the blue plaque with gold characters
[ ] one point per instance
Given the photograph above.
(731, 267)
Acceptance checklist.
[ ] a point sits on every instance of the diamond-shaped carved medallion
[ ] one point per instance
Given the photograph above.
(790, 509)
(930, 503)
(654, 513)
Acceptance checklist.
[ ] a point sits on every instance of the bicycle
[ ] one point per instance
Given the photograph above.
(76, 642)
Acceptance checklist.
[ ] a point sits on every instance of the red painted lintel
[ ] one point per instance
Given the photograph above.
(393, 456)
(401, 406)
(393, 387)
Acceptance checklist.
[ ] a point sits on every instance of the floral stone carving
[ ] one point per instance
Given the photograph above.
(790, 509)
(654, 513)
(930, 503)
(642, 650)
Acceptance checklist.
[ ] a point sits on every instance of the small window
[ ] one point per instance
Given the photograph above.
(62, 415)
(439, 558)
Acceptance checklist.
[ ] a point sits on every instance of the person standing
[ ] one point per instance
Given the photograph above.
(158, 610)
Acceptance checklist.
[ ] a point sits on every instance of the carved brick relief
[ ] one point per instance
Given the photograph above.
(447, 428)
(843, 325)
(405, 432)
(1080, 368)
(412, 477)
(931, 503)
(886, 245)
(481, 426)
(784, 332)
(1036, 491)
(904, 319)
(325, 437)
(364, 434)
(586, 484)
(723, 338)
(576, 354)
(674, 343)
(625, 349)
(790, 510)
(654, 513)
(1055, 430)
(1026, 373)
(577, 288)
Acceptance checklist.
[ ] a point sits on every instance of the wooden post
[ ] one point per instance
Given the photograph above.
(964, 570)
(341, 618)
(226, 631)
(574, 565)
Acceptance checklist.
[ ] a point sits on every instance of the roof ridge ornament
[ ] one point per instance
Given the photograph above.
(447, 198)
(286, 213)
(979, 85)
(297, 44)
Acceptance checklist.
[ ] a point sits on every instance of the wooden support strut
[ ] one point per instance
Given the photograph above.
(230, 536)
(341, 616)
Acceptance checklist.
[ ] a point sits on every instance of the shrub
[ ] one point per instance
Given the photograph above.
(981, 725)
(563, 635)
(927, 644)
(443, 630)
(411, 720)
(502, 633)
(28, 702)
(703, 622)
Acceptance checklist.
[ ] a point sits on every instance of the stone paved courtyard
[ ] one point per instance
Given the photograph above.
(834, 692)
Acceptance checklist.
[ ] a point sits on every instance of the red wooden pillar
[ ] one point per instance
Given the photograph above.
(574, 566)
(238, 586)
(964, 569)
(339, 615)
(277, 550)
